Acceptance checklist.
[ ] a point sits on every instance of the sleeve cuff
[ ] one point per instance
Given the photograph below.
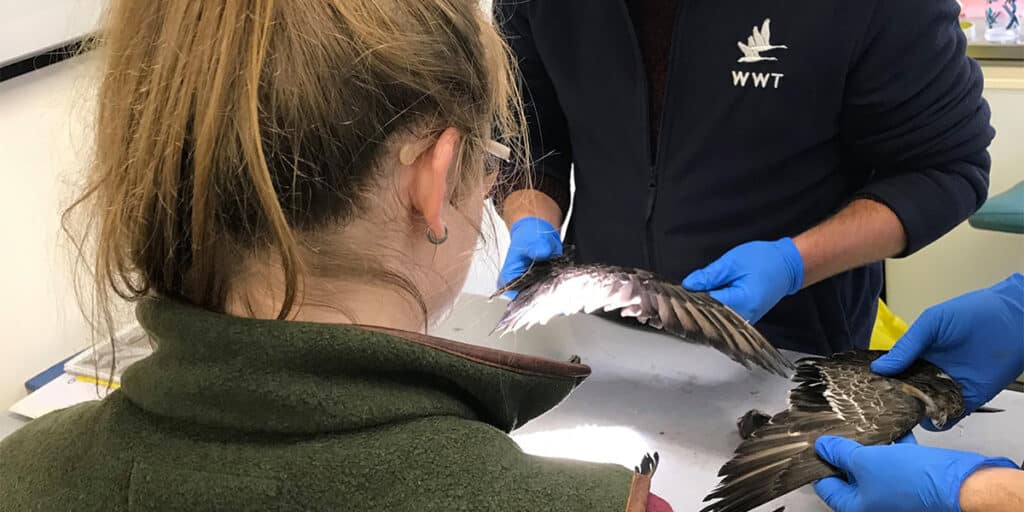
(928, 203)
(907, 217)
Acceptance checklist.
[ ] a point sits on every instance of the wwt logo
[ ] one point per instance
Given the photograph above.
(740, 79)
(758, 43)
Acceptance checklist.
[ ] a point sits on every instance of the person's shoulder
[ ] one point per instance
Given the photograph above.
(464, 464)
(53, 430)
(39, 461)
(906, 19)
(505, 474)
(877, 11)
(68, 435)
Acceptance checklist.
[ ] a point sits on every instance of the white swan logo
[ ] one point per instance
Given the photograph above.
(759, 43)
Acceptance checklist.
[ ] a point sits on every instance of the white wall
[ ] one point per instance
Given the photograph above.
(483, 275)
(28, 26)
(43, 140)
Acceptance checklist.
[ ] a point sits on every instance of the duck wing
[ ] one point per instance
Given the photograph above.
(840, 396)
(560, 287)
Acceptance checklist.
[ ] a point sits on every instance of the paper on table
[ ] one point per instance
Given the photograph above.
(62, 392)
(133, 345)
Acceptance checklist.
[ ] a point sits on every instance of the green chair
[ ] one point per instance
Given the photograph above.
(1002, 212)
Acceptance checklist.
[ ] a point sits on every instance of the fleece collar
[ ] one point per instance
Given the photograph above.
(300, 377)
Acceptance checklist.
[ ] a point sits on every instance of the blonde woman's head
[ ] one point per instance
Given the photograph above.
(254, 156)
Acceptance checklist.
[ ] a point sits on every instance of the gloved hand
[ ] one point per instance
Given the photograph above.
(903, 477)
(530, 239)
(977, 338)
(752, 278)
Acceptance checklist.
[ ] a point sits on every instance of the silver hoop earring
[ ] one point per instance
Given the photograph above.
(432, 238)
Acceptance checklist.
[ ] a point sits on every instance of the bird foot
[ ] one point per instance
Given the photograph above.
(750, 422)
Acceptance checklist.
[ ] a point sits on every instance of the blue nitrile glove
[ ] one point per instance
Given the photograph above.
(530, 239)
(903, 477)
(752, 278)
(977, 338)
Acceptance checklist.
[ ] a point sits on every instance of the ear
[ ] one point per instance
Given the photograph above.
(428, 186)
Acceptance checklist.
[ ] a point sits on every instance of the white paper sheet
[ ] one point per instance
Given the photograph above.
(62, 392)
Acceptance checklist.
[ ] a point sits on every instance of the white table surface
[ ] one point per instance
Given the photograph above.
(653, 393)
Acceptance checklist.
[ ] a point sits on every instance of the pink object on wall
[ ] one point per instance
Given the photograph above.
(976, 8)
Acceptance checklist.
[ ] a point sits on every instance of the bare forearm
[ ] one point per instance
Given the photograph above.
(863, 232)
(993, 490)
(530, 203)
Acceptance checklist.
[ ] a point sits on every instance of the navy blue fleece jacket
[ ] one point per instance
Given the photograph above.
(871, 99)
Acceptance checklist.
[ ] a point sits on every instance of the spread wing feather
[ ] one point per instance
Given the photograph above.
(746, 49)
(835, 396)
(559, 287)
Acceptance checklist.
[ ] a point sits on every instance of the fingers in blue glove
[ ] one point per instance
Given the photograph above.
(908, 348)
(752, 277)
(836, 493)
(530, 239)
(547, 249)
(911, 346)
(837, 451)
(903, 477)
(736, 298)
(716, 275)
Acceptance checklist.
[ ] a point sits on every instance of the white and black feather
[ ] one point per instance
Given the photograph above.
(839, 396)
(559, 287)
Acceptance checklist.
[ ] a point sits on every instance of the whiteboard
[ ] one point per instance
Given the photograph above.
(31, 27)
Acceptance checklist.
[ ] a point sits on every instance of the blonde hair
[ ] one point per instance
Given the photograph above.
(227, 128)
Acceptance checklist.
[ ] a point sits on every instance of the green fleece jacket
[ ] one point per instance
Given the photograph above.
(238, 414)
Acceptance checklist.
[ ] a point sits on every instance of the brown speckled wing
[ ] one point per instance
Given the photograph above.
(838, 396)
(559, 287)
